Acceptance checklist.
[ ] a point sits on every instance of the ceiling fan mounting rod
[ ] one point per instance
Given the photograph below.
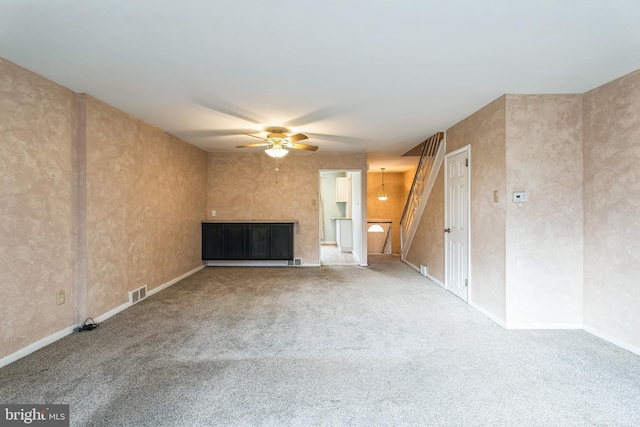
(276, 136)
(277, 130)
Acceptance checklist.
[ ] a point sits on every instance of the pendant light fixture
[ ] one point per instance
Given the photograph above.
(382, 193)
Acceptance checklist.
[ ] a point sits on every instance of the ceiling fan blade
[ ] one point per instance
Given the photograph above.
(302, 147)
(231, 109)
(257, 144)
(212, 133)
(298, 137)
(318, 115)
(336, 138)
(256, 136)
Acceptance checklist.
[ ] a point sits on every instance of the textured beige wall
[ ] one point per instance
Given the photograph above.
(146, 196)
(241, 185)
(485, 132)
(612, 209)
(544, 263)
(390, 208)
(36, 192)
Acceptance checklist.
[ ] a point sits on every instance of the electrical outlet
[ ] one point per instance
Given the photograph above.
(495, 196)
(60, 297)
(213, 213)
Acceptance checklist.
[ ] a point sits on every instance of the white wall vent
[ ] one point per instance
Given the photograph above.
(138, 294)
(295, 261)
(424, 270)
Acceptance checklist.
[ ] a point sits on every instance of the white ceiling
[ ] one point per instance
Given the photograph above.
(379, 75)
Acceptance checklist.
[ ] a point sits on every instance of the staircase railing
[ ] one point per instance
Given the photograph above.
(430, 161)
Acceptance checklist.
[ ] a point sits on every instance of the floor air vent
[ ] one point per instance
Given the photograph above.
(424, 270)
(138, 294)
(295, 261)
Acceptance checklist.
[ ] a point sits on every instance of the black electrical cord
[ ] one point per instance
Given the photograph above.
(88, 325)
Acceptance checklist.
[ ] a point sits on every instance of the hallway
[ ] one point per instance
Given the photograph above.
(332, 255)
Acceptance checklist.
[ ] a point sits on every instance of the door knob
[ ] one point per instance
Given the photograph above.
(447, 230)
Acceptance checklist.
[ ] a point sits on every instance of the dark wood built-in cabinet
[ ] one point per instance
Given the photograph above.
(247, 241)
(235, 246)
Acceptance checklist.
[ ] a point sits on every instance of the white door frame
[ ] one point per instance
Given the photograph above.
(467, 149)
(359, 204)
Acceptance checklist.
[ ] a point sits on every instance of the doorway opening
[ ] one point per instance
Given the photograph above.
(341, 213)
(379, 236)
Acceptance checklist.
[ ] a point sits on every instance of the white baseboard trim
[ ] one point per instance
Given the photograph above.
(68, 330)
(434, 280)
(489, 315)
(247, 263)
(410, 265)
(428, 276)
(241, 263)
(573, 326)
(24, 351)
(112, 312)
(153, 291)
(174, 281)
(612, 340)
(512, 325)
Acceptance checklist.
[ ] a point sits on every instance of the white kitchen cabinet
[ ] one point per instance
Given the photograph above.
(343, 189)
(344, 234)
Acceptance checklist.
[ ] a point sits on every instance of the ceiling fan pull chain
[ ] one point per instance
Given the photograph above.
(277, 170)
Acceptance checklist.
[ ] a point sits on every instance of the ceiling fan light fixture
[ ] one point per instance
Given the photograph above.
(276, 152)
(382, 193)
(278, 144)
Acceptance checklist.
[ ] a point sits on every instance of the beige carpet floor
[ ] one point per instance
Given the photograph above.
(325, 346)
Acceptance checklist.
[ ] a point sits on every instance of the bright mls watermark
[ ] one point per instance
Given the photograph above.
(34, 415)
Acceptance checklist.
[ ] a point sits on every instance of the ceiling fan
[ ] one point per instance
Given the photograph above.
(278, 142)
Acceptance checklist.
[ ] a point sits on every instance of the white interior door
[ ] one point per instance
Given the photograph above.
(457, 222)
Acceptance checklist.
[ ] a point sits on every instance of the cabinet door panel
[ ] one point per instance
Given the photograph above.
(343, 189)
(258, 241)
(212, 241)
(281, 241)
(234, 241)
